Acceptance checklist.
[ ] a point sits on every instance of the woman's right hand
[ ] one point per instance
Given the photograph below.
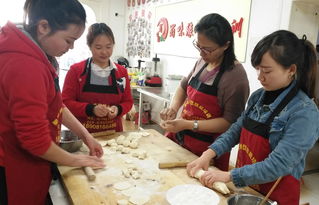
(81, 160)
(168, 114)
(200, 163)
(100, 110)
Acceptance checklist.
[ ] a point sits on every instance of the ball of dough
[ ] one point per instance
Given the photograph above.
(133, 145)
(126, 143)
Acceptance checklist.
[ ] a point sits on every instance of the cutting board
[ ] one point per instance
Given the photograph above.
(102, 191)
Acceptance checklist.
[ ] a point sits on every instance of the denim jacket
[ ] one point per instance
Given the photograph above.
(292, 134)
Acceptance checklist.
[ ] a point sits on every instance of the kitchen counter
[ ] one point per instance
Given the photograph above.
(158, 149)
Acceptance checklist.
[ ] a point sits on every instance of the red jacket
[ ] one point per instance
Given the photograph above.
(30, 117)
(77, 100)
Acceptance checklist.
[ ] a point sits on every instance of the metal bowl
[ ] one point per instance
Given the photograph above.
(247, 199)
(69, 141)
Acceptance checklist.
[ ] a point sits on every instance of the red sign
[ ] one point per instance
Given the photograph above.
(237, 26)
(186, 31)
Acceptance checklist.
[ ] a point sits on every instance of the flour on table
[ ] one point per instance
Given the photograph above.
(122, 202)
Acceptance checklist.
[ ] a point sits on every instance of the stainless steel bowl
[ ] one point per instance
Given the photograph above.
(247, 199)
(69, 141)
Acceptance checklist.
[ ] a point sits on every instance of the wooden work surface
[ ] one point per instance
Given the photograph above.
(159, 149)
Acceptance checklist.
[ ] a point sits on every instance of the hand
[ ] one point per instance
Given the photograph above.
(200, 163)
(100, 110)
(86, 161)
(211, 176)
(168, 114)
(174, 125)
(112, 112)
(94, 146)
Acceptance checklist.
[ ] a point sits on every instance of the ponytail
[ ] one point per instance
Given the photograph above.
(307, 71)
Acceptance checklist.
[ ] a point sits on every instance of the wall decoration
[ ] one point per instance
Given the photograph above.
(174, 33)
(139, 34)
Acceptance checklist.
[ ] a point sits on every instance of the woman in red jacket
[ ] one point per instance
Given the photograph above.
(97, 91)
(31, 102)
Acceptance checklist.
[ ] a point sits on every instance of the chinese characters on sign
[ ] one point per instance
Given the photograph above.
(186, 29)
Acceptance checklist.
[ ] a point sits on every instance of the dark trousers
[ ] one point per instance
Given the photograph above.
(3, 187)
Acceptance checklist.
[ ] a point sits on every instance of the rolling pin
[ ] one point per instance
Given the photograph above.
(163, 165)
(89, 173)
(103, 133)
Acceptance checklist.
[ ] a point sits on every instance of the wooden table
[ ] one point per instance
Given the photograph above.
(159, 149)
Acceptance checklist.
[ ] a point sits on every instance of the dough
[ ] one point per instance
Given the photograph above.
(218, 186)
(199, 173)
(122, 202)
(221, 187)
(139, 199)
(134, 154)
(141, 154)
(133, 145)
(135, 175)
(126, 173)
(126, 143)
(122, 185)
(145, 134)
(119, 148)
(120, 139)
(113, 144)
(125, 150)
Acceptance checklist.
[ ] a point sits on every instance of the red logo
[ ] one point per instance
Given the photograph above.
(162, 30)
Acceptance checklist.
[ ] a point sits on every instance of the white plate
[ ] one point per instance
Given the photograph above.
(190, 194)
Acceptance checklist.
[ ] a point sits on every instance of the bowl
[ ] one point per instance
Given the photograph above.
(69, 141)
(246, 199)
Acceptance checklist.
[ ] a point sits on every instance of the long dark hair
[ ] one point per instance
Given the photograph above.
(217, 29)
(58, 13)
(286, 49)
(98, 29)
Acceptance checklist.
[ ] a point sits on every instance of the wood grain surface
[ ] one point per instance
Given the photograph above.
(159, 150)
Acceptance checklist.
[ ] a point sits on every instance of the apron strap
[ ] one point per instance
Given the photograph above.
(87, 66)
(201, 70)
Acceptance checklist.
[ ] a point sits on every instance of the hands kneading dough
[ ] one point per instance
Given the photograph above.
(218, 186)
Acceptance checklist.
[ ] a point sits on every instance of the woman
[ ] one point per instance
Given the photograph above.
(277, 129)
(97, 90)
(214, 93)
(31, 102)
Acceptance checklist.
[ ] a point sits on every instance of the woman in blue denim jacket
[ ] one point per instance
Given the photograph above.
(278, 127)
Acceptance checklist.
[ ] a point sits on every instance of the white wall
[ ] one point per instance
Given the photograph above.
(105, 11)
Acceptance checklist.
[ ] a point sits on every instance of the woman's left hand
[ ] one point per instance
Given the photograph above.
(174, 125)
(211, 176)
(113, 111)
(94, 146)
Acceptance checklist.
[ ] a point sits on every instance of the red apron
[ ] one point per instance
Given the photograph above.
(201, 104)
(254, 147)
(28, 177)
(100, 94)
